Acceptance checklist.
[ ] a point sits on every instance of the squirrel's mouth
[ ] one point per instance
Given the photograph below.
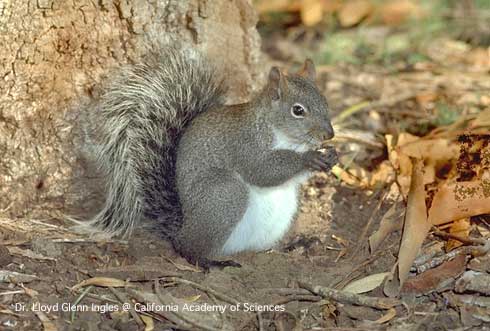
(312, 142)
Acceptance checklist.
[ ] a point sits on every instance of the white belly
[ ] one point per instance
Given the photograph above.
(269, 214)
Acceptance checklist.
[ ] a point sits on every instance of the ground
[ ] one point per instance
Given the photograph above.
(327, 246)
(309, 253)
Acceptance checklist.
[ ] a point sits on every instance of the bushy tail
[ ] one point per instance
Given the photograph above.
(135, 127)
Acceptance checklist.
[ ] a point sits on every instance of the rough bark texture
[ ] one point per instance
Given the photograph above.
(54, 52)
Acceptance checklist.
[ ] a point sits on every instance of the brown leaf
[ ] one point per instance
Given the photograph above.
(482, 119)
(400, 161)
(459, 200)
(460, 228)
(426, 98)
(354, 11)
(101, 281)
(268, 6)
(311, 12)
(397, 12)
(416, 225)
(48, 325)
(386, 317)
(366, 284)
(433, 279)
(392, 221)
(331, 6)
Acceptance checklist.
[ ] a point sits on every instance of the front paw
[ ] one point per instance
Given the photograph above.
(321, 161)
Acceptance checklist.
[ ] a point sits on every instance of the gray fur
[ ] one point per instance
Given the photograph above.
(226, 148)
(133, 131)
(171, 151)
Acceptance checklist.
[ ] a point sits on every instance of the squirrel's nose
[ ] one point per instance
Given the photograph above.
(328, 132)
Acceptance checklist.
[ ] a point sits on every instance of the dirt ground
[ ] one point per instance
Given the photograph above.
(309, 253)
(327, 246)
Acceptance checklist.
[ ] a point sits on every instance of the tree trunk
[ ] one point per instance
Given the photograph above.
(54, 51)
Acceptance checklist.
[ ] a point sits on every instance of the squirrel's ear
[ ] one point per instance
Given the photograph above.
(276, 83)
(308, 70)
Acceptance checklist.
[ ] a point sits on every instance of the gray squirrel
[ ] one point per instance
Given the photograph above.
(214, 179)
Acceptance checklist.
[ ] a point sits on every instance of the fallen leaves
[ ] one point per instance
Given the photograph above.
(437, 278)
(459, 200)
(353, 12)
(416, 224)
(349, 12)
(101, 281)
(366, 284)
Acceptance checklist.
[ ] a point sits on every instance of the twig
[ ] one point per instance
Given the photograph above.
(260, 321)
(351, 136)
(206, 289)
(287, 291)
(221, 317)
(365, 106)
(466, 241)
(12, 292)
(47, 225)
(363, 236)
(95, 296)
(193, 323)
(123, 299)
(77, 301)
(7, 208)
(313, 298)
(347, 278)
(347, 297)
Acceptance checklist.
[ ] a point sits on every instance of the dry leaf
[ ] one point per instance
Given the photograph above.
(473, 281)
(436, 278)
(353, 12)
(426, 98)
(392, 221)
(482, 119)
(28, 253)
(366, 284)
(100, 281)
(433, 151)
(331, 6)
(149, 324)
(397, 12)
(360, 177)
(386, 317)
(7, 276)
(459, 200)
(48, 325)
(416, 224)
(193, 298)
(268, 6)
(401, 162)
(311, 12)
(460, 228)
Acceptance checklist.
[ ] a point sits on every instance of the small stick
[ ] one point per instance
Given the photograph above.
(313, 298)
(287, 291)
(347, 278)
(466, 241)
(347, 297)
(123, 299)
(196, 325)
(260, 321)
(78, 300)
(363, 236)
(203, 288)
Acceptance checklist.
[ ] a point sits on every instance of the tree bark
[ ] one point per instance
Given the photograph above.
(53, 52)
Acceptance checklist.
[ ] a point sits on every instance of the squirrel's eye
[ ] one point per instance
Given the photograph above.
(298, 110)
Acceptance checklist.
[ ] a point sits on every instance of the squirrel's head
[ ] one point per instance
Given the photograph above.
(298, 109)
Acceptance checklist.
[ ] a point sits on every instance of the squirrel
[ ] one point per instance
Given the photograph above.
(215, 179)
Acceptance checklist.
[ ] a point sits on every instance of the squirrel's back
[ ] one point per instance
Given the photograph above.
(133, 129)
